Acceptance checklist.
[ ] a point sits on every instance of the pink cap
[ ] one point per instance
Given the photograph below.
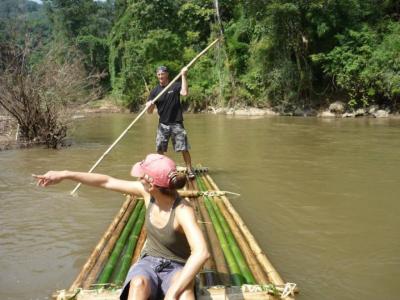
(156, 166)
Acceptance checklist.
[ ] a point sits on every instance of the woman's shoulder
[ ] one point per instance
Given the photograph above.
(184, 207)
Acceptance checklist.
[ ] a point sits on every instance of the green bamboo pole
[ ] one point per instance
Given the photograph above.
(217, 255)
(236, 276)
(254, 265)
(267, 266)
(235, 243)
(244, 268)
(269, 269)
(96, 254)
(91, 278)
(108, 269)
(208, 276)
(241, 261)
(127, 258)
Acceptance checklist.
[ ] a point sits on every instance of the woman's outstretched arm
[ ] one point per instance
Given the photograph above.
(97, 180)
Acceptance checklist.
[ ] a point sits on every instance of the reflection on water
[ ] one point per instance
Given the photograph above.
(321, 197)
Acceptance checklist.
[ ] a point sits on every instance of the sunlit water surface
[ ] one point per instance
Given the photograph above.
(320, 196)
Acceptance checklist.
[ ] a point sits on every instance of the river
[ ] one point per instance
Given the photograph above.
(320, 195)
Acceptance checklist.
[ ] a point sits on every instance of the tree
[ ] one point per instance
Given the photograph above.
(37, 96)
(366, 64)
(86, 25)
(145, 35)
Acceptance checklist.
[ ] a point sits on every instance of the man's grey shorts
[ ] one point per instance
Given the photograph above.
(176, 132)
(159, 272)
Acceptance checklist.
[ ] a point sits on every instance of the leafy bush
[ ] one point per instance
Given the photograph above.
(366, 64)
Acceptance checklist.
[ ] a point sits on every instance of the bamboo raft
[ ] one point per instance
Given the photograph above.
(237, 268)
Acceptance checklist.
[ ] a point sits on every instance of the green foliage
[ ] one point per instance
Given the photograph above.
(195, 17)
(277, 67)
(86, 25)
(146, 35)
(136, 62)
(70, 18)
(366, 64)
(95, 52)
(274, 53)
(19, 17)
(203, 78)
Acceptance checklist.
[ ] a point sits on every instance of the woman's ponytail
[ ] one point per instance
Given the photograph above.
(177, 181)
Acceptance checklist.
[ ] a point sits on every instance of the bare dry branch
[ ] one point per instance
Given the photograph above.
(38, 97)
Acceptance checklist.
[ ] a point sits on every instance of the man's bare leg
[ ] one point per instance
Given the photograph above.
(188, 163)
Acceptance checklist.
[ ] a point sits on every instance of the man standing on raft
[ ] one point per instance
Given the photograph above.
(171, 119)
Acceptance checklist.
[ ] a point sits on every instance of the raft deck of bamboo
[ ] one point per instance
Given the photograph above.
(237, 268)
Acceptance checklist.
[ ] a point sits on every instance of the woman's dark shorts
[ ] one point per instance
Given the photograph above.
(159, 271)
(176, 132)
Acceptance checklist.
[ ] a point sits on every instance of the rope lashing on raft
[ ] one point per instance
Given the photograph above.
(282, 291)
(62, 295)
(212, 193)
(217, 193)
(195, 170)
(288, 289)
(105, 285)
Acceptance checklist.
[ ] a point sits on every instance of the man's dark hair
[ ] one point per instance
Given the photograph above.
(162, 69)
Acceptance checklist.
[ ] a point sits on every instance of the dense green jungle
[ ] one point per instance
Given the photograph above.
(278, 54)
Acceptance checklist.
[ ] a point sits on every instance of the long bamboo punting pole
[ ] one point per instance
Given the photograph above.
(144, 110)
(127, 257)
(272, 274)
(238, 255)
(99, 247)
(215, 247)
(112, 260)
(94, 272)
(258, 272)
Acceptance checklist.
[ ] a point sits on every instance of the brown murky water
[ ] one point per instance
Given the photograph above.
(320, 196)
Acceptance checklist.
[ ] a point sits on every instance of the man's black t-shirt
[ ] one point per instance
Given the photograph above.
(169, 104)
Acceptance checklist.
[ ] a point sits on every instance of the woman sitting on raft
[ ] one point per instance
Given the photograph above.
(175, 249)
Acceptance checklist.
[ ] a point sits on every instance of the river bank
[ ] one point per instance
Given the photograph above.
(9, 127)
(336, 109)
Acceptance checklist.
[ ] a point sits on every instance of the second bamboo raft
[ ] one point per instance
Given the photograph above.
(237, 268)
